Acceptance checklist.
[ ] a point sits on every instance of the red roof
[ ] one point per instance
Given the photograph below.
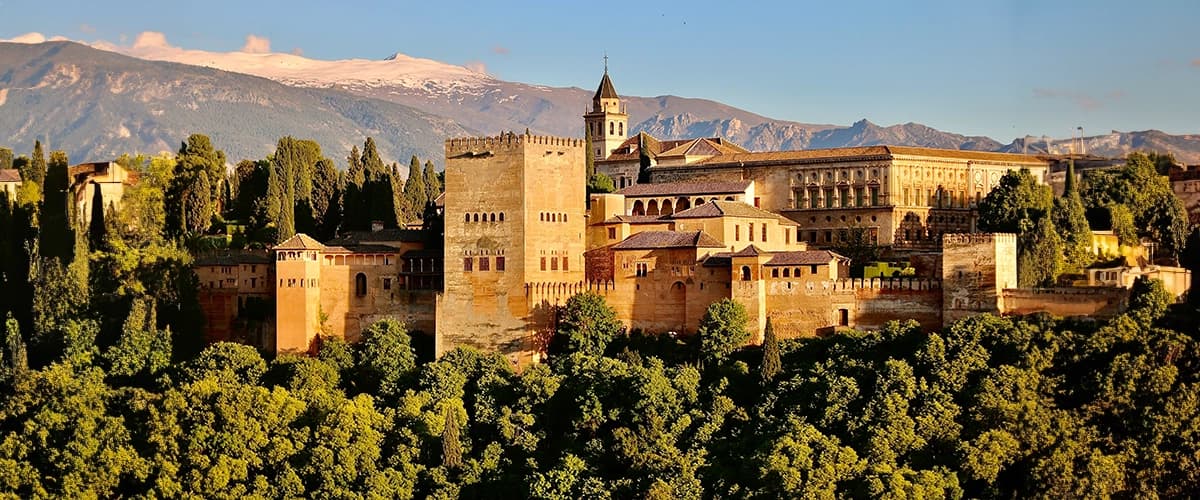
(668, 239)
(803, 258)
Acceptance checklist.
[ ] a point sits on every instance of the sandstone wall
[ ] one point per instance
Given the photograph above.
(1096, 302)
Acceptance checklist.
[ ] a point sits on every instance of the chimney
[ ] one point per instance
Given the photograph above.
(376, 226)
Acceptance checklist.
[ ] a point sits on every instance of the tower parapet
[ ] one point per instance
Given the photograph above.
(507, 141)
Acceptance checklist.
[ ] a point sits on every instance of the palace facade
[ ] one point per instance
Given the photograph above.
(519, 236)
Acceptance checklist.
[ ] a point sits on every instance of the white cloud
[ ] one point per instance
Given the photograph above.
(33, 37)
(476, 66)
(256, 44)
(151, 40)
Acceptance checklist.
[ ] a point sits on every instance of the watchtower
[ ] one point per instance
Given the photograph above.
(976, 268)
(514, 241)
(298, 295)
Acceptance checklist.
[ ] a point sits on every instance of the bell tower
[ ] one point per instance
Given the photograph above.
(607, 124)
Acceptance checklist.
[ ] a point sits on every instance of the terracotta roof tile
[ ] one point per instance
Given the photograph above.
(721, 208)
(628, 150)
(668, 239)
(635, 219)
(749, 251)
(685, 188)
(802, 258)
(606, 89)
(864, 152)
(300, 241)
(10, 175)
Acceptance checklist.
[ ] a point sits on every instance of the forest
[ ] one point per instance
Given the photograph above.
(108, 390)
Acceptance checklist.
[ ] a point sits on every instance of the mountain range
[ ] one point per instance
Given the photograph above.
(99, 103)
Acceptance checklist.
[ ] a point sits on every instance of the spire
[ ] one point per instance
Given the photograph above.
(606, 90)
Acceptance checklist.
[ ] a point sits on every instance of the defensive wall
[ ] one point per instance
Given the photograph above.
(1100, 302)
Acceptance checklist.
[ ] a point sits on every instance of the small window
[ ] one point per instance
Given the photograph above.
(467, 218)
(553, 264)
(764, 233)
(468, 264)
(737, 233)
(786, 272)
(745, 273)
(501, 216)
(543, 263)
(476, 217)
(493, 217)
(775, 273)
(751, 231)
(500, 263)
(812, 269)
(566, 267)
(612, 233)
(387, 283)
(360, 284)
(485, 264)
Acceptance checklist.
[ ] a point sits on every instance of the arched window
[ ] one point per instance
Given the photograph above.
(476, 217)
(666, 208)
(638, 208)
(787, 272)
(683, 204)
(610, 128)
(493, 217)
(467, 218)
(360, 284)
(501, 216)
(621, 128)
(745, 273)
(652, 207)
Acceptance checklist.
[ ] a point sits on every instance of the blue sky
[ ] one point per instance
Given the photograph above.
(1002, 69)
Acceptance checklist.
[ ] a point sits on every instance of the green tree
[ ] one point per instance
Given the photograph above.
(586, 324)
(1040, 253)
(96, 227)
(197, 205)
(386, 359)
(1018, 196)
(37, 166)
(1157, 212)
(771, 364)
(57, 229)
(433, 185)
(1070, 218)
(600, 183)
(327, 199)
(416, 192)
(451, 446)
(722, 329)
(1122, 225)
(6, 158)
(1148, 300)
(18, 359)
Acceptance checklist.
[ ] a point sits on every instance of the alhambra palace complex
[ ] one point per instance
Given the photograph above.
(714, 221)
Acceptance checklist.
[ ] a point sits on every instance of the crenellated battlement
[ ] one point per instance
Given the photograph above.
(506, 141)
(921, 284)
(960, 239)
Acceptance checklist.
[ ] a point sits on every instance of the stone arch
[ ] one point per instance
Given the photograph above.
(666, 208)
(675, 306)
(493, 216)
(621, 128)
(638, 208)
(652, 207)
(745, 273)
(683, 204)
(699, 201)
(729, 198)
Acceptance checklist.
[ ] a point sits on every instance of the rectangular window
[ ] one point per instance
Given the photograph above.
(485, 263)
(751, 232)
(829, 198)
(787, 236)
(500, 263)
(565, 266)
(543, 263)
(858, 197)
(874, 193)
(737, 233)
(798, 196)
(387, 283)
(612, 233)
(764, 233)
(845, 200)
(813, 197)
(553, 263)
(828, 236)
(468, 264)
(812, 269)
(775, 273)
(756, 200)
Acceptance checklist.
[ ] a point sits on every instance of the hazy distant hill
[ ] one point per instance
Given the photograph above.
(97, 105)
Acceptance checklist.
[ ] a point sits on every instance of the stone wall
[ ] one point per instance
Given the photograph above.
(975, 269)
(1100, 302)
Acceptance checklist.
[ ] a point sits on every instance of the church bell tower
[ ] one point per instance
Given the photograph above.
(607, 122)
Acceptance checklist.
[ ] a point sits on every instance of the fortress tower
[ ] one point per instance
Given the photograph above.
(514, 241)
(976, 268)
(298, 295)
(607, 122)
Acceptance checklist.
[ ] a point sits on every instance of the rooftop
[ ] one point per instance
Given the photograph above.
(866, 152)
(685, 188)
(668, 239)
(803, 258)
(10, 175)
(300, 241)
(721, 208)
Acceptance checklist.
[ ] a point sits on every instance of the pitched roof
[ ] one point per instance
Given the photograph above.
(721, 208)
(864, 152)
(635, 219)
(668, 239)
(719, 259)
(628, 150)
(606, 90)
(703, 147)
(685, 188)
(803, 258)
(300, 241)
(749, 251)
(10, 175)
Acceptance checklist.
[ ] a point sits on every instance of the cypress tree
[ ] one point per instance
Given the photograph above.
(57, 235)
(96, 227)
(18, 362)
(37, 166)
(1070, 218)
(770, 362)
(415, 191)
(643, 160)
(378, 191)
(590, 158)
(451, 446)
(433, 187)
(6, 158)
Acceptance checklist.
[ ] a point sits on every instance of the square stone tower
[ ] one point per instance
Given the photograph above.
(298, 296)
(514, 241)
(976, 268)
